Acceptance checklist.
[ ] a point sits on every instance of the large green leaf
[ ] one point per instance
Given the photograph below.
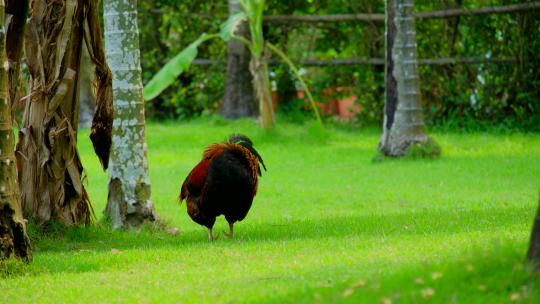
(230, 25)
(176, 66)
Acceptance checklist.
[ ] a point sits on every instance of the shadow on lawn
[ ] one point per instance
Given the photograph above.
(425, 222)
(483, 275)
(91, 243)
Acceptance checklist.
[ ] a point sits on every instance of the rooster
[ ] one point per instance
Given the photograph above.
(224, 182)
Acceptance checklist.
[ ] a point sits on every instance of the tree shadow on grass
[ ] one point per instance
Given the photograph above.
(94, 241)
(494, 274)
(424, 222)
(421, 222)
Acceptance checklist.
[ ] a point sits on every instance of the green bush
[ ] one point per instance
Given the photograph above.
(500, 96)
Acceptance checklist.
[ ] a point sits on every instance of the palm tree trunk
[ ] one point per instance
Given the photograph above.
(239, 100)
(403, 118)
(13, 238)
(129, 202)
(533, 254)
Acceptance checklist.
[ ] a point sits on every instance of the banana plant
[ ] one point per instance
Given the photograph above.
(252, 12)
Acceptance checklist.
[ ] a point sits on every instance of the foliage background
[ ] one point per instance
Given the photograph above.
(461, 96)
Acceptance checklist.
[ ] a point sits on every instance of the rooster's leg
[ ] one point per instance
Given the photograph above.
(211, 235)
(230, 234)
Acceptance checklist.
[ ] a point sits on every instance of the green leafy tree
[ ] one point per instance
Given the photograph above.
(470, 96)
(252, 11)
(166, 27)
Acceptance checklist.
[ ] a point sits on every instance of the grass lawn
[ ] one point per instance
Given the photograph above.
(327, 225)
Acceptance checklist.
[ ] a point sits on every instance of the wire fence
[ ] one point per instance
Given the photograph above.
(448, 13)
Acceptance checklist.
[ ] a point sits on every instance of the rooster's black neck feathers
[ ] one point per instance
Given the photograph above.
(244, 141)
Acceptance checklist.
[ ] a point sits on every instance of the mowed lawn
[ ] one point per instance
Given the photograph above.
(328, 225)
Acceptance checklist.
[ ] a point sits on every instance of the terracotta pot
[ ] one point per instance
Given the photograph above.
(300, 94)
(274, 100)
(274, 96)
(347, 107)
(323, 108)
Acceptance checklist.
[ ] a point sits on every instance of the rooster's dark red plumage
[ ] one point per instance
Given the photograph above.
(224, 182)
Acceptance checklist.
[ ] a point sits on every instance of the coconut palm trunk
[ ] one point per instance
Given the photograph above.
(50, 170)
(403, 118)
(239, 100)
(13, 238)
(533, 254)
(129, 202)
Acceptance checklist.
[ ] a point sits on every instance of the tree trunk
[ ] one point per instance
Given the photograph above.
(50, 168)
(403, 119)
(258, 66)
(129, 202)
(239, 100)
(13, 238)
(18, 9)
(261, 84)
(533, 254)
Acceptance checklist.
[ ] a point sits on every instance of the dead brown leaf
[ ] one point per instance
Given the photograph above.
(358, 283)
(436, 275)
(348, 292)
(173, 231)
(515, 296)
(386, 301)
(427, 293)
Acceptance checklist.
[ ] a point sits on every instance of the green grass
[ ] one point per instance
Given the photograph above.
(326, 218)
